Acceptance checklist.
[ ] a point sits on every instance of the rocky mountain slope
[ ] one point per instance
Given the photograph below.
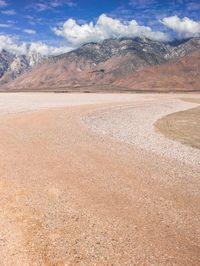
(124, 64)
(5, 61)
(12, 65)
(180, 75)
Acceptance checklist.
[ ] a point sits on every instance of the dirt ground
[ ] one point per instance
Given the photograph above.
(70, 196)
(182, 126)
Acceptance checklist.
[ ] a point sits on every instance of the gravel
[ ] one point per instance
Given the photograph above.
(135, 125)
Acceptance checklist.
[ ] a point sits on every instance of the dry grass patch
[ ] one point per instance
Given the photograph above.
(191, 100)
(182, 126)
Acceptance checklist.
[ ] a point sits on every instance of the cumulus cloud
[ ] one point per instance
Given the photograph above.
(13, 45)
(105, 27)
(45, 49)
(29, 31)
(185, 28)
(9, 43)
(3, 3)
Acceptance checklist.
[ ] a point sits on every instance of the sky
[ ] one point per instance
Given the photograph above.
(58, 26)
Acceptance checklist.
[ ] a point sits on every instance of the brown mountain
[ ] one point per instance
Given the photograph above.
(125, 64)
(13, 65)
(180, 75)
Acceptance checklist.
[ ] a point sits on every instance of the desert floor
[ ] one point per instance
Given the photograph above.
(91, 179)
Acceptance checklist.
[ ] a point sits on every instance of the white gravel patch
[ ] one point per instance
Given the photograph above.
(135, 125)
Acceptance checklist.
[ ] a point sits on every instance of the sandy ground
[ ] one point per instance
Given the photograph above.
(23, 102)
(182, 126)
(74, 196)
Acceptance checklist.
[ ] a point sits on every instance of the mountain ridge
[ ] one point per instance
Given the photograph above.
(110, 63)
(13, 65)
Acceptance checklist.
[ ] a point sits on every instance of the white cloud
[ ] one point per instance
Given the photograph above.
(141, 3)
(41, 7)
(29, 17)
(13, 45)
(185, 28)
(58, 3)
(193, 6)
(51, 5)
(3, 25)
(105, 27)
(45, 49)
(10, 12)
(3, 3)
(29, 31)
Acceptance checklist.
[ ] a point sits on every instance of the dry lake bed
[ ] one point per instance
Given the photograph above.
(99, 179)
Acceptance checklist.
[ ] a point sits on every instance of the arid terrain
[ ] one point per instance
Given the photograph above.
(99, 179)
(182, 126)
(119, 65)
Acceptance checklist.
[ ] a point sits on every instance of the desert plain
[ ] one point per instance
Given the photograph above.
(99, 179)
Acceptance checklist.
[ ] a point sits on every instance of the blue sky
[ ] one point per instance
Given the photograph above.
(66, 24)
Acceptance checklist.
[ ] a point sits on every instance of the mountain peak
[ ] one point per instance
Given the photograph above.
(96, 63)
(13, 65)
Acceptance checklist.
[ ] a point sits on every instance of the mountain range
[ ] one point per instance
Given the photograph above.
(13, 65)
(124, 64)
